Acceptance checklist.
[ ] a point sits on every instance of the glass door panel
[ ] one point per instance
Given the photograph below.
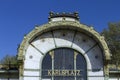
(64, 60)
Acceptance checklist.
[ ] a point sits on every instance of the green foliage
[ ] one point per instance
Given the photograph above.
(112, 36)
(9, 59)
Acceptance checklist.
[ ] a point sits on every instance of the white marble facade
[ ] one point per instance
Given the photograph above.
(78, 41)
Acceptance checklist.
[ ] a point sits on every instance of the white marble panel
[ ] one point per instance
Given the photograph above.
(63, 38)
(96, 59)
(69, 19)
(76, 47)
(96, 78)
(32, 54)
(31, 64)
(31, 73)
(31, 78)
(9, 79)
(88, 62)
(61, 19)
(83, 42)
(56, 19)
(46, 79)
(114, 79)
(44, 43)
(32, 58)
(95, 73)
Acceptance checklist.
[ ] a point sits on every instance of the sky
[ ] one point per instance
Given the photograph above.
(19, 17)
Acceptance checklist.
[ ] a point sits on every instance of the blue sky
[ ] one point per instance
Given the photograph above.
(19, 17)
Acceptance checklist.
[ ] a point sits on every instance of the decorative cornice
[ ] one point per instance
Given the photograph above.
(74, 15)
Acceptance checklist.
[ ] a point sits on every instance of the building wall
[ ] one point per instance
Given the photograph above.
(114, 78)
(8, 79)
(9, 75)
(9, 72)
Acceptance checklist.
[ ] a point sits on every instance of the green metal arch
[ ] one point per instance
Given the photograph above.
(60, 25)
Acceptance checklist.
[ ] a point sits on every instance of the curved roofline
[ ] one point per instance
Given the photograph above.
(60, 25)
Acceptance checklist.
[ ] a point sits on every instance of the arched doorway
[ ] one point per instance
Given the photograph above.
(64, 64)
(61, 32)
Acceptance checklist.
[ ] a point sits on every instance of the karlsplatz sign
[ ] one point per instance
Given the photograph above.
(63, 73)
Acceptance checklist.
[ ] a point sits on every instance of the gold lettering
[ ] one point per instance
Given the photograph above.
(67, 72)
(63, 72)
(49, 73)
(56, 72)
(53, 72)
(72, 73)
(78, 72)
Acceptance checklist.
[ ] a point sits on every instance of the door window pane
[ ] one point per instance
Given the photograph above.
(46, 65)
(81, 65)
(64, 60)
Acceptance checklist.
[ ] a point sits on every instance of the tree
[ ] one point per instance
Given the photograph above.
(9, 59)
(112, 36)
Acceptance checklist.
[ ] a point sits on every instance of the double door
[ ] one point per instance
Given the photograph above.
(64, 64)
